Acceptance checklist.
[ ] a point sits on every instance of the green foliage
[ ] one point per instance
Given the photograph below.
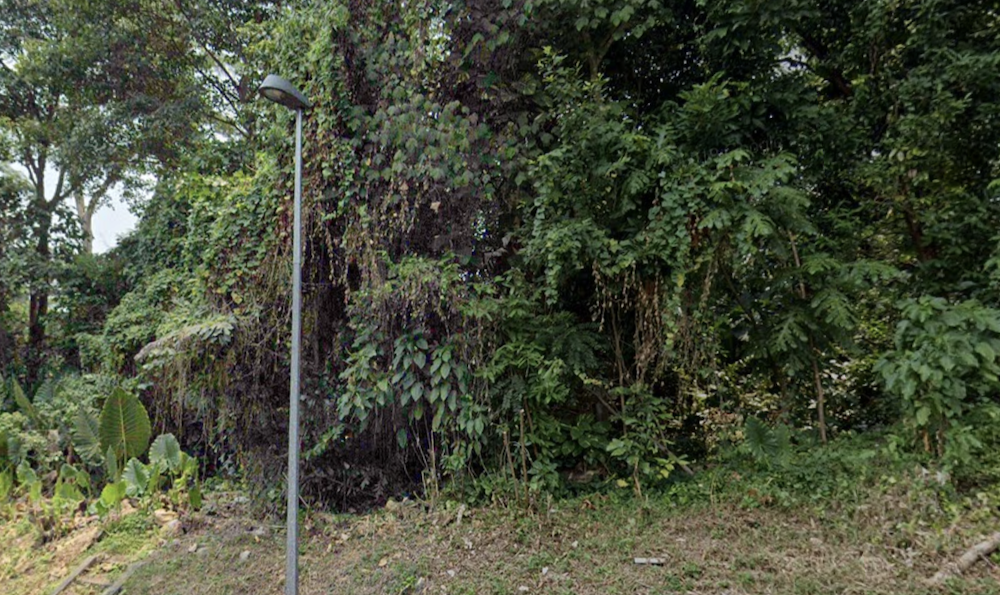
(124, 429)
(111, 497)
(86, 436)
(841, 475)
(32, 433)
(766, 444)
(136, 477)
(131, 325)
(540, 238)
(166, 462)
(166, 453)
(944, 367)
(70, 485)
(26, 406)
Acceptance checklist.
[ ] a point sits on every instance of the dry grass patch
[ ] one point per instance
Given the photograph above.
(582, 546)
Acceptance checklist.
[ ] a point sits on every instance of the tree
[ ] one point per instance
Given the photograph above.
(92, 96)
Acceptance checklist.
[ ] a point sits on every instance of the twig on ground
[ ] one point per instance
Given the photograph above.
(980, 550)
(117, 586)
(77, 572)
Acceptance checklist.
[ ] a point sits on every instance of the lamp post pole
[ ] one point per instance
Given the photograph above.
(281, 91)
(292, 546)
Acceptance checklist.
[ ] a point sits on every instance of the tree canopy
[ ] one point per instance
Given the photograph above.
(599, 235)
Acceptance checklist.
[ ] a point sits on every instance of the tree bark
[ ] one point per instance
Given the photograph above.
(813, 355)
(85, 210)
(38, 299)
(38, 308)
(820, 405)
(86, 217)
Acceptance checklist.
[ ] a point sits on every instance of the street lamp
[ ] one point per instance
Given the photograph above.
(281, 91)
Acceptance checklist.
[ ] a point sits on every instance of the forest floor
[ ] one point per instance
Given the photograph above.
(586, 545)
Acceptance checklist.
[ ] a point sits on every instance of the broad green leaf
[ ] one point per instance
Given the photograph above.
(124, 425)
(113, 494)
(68, 492)
(923, 415)
(83, 479)
(194, 496)
(166, 451)
(46, 393)
(26, 406)
(136, 478)
(986, 350)
(111, 464)
(67, 473)
(189, 465)
(85, 435)
(762, 442)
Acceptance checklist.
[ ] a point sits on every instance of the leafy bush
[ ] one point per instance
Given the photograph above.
(27, 444)
(778, 467)
(945, 372)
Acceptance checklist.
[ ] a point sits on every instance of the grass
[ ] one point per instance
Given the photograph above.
(585, 546)
(839, 526)
(30, 565)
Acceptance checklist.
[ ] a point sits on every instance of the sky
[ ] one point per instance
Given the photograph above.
(111, 222)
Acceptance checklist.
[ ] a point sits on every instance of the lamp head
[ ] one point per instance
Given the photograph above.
(281, 91)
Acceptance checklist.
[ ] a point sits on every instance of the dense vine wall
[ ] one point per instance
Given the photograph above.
(551, 238)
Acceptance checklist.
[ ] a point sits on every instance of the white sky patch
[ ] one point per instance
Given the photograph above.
(112, 221)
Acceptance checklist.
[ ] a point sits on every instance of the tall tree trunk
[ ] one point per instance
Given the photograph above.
(86, 217)
(813, 356)
(38, 308)
(820, 405)
(85, 209)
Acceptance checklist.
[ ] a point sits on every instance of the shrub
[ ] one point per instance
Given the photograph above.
(944, 371)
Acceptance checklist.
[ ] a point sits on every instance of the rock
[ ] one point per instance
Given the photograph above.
(163, 517)
(172, 528)
(244, 555)
(193, 548)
